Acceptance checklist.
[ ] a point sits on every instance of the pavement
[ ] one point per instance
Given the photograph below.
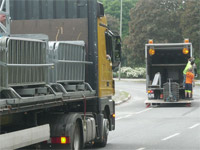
(197, 82)
(123, 96)
(164, 127)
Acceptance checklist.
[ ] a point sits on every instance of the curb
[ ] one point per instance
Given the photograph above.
(197, 82)
(123, 101)
(134, 80)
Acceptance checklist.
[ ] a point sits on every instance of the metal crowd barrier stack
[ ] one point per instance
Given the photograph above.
(23, 62)
(69, 59)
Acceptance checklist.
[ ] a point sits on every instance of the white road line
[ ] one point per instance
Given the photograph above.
(171, 136)
(128, 116)
(143, 111)
(119, 118)
(141, 148)
(124, 117)
(194, 126)
(135, 113)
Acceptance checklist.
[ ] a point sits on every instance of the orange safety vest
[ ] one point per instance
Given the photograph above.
(189, 77)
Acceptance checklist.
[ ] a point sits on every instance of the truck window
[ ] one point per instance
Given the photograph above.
(109, 44)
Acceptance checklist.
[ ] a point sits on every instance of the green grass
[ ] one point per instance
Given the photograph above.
(120, 95)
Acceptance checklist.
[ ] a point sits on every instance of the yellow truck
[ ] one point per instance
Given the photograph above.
(56, 83)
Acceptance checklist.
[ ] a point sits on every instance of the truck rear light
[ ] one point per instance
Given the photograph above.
(64, 140)
(113, 115)
(161, 96)
(185, 51)
(151, 52)
(186, 40)
(150, 91)
(60, 140)
(150, 41)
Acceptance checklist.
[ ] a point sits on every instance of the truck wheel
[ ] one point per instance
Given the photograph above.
(76, 142)
(105, 133)
(104, 139)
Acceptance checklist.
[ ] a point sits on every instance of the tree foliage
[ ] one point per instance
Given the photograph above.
(190, 24)
(113, 23)
(164, 21)
(112, 8)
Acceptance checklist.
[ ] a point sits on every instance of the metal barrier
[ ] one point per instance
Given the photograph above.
(69, 59)
(22, 62)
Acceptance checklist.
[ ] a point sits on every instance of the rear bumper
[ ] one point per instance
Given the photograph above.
(160, 101)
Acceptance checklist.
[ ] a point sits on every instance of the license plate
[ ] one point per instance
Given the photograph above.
(150, 96)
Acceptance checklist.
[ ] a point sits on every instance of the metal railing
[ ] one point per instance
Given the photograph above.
(22, 62)
(69, 58)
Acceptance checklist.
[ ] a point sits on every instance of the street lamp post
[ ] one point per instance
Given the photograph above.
(120, 33)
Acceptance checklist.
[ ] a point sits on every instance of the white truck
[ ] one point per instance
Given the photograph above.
(165, 63)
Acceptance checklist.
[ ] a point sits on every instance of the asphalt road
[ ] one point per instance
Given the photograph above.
(166, 127)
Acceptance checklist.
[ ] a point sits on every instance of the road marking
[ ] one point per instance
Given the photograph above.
(171, 136)
(119, 118)
(135, 113)
(141, 148)
(143, 111)
(194, 126)
(128, 116)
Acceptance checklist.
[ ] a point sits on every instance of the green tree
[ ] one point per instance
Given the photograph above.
(153, 19)
(112, 7)
(190, 24)
(113, 23)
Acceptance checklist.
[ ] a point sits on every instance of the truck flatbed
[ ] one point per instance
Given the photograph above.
(6, 108)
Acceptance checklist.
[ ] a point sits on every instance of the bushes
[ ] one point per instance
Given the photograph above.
(128, 72)
(197, 62)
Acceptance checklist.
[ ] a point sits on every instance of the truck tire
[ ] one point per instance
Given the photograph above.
(76, 142)
(105, 133)
(104, 139)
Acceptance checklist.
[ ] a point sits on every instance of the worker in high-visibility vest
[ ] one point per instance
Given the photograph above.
(188, 83)
(188, 66)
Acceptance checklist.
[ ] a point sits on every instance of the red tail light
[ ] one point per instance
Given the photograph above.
(60, 140)
(161, 96)
(150, 91)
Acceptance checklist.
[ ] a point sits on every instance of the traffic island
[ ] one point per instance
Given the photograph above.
(121, 97)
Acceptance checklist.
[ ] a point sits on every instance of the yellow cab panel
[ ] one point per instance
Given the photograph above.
(106, 87)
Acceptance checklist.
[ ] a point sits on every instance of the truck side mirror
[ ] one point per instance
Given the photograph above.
(100, 10)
